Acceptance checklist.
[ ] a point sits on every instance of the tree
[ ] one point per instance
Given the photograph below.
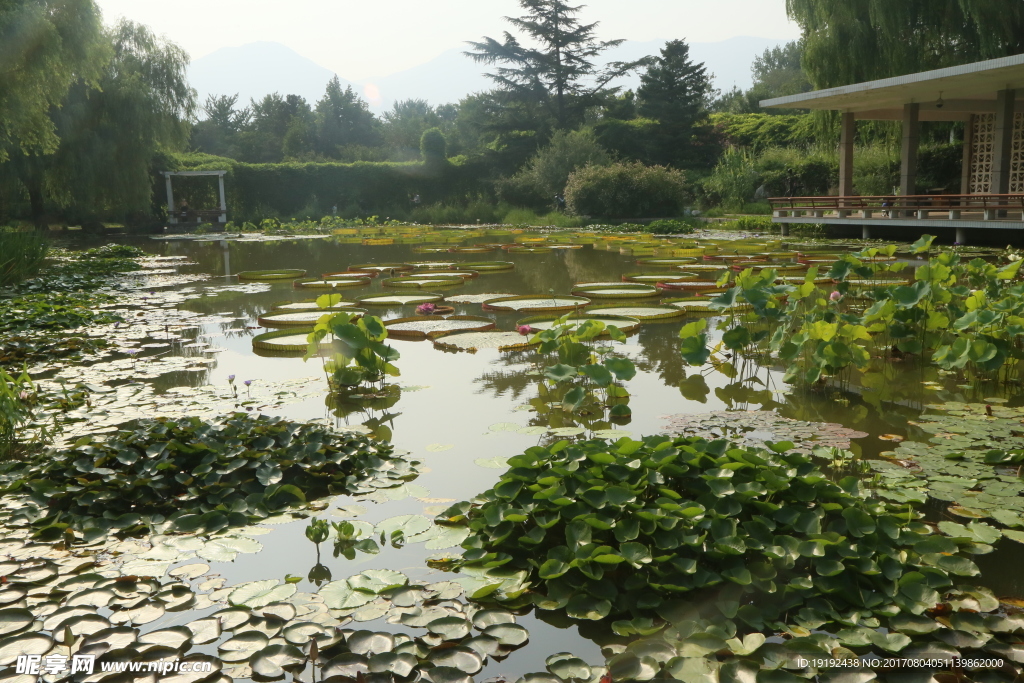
(777, 73)
(850, 41)
(108, 137)
(218, 133)
(263, 140)
(343, 120)
(674, 91)
(46, 46)
(433, 147)
(559, 72)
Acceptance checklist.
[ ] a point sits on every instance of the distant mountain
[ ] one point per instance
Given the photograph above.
(257, 69)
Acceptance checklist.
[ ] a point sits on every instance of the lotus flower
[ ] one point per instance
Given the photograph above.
(835, 296)
(524, 330)
(426, 309)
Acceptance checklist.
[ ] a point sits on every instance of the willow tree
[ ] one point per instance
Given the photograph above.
(849, 41)
(45, 47)
(556, 68)
(108, 135)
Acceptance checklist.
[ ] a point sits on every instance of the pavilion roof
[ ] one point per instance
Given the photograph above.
(964, 90)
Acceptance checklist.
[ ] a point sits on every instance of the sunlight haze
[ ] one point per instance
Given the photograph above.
(365, 40)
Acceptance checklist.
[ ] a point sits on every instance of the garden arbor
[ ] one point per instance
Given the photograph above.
(988, 97)
(221, 216)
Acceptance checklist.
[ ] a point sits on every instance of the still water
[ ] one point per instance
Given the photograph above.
(456, 408)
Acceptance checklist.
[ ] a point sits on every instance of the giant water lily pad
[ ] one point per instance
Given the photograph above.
(540, 304)
(271, 275)
(624, 290)
(301, 318)
(547, 322)
(472, 341)
(421, 327)
(399, 299)
(417, 282)
(331, 283)
(642, 312)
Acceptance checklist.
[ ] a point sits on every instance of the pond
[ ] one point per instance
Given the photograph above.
(460, 413)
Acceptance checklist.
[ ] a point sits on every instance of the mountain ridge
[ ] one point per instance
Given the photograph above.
(260, 68)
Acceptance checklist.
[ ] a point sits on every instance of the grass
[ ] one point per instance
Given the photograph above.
(21, 255)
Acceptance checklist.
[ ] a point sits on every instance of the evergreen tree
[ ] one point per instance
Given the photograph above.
(343, 120)
(218, 132)
(556, 69)
(674, 91)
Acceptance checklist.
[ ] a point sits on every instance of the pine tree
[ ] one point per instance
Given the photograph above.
(343, 119)
(560, 72)
(674, 91)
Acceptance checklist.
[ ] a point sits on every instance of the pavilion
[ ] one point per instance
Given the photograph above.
(987, 96)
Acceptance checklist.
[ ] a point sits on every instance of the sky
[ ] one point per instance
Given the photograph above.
(364, 39)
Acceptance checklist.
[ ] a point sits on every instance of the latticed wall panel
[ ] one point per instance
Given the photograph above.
(983, 152)
(1017, 155)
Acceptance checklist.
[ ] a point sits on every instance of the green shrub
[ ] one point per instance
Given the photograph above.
(876, 170)
(627, 190)
(751, 224)
(670, 227)
(21, 255)
(547, 173)
(433, 146)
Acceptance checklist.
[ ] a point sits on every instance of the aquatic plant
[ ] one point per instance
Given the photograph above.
(587, 379)
(966, 317)
(21, 255)
(361, 356)
(716, 548)
(17, 395)
(194, 475)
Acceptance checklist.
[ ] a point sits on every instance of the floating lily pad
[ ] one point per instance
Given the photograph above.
(488, 266)
(547, 322)
(304, 319)
(259, 593)
(640, 312)
(416, 282)
(429, 328)
(309, 305)
(399, 299)
(538, 304)
(331, 283)
(616, 291)
(472, 341)
(271, 275)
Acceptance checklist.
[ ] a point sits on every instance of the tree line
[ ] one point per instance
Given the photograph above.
(88, 112)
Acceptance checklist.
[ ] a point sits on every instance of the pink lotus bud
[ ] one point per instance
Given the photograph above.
(525, 330)
(835, 296)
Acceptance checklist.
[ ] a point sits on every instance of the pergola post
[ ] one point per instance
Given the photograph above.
(965, 171)
(170, 199)
(911, 142)
(1002, 151)
(223, 201)
(847, 133)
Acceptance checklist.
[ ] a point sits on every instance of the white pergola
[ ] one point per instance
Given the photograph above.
(168, 175)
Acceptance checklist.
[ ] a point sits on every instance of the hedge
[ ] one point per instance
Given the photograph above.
(287, 190)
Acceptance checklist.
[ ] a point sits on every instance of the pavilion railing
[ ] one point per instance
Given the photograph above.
(991, 206)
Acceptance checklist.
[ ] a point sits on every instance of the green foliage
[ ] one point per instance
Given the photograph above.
(49, 46)
(759, 132)
(318, 530)
(965, 317)
(627, 190)
(862, 40)
(547, 173)
(197, 475)
(21, 255)
(361, 357)
(110, 133)
(433, 146)
(17, 394)
(554, 69)
(586, 381)
(674, 92)
(750, 540)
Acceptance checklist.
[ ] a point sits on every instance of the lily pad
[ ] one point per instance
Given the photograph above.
(259, 593)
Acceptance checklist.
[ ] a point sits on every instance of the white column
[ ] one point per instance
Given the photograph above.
(170, 199)
(223, 201)
(848, 131)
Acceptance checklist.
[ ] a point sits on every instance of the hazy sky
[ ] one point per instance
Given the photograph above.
(368, 38)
